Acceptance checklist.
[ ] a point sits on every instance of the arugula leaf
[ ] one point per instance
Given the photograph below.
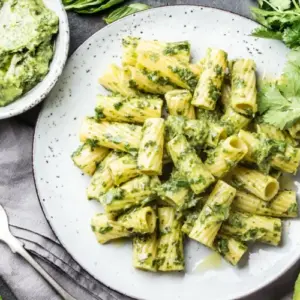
(125, 11)
(266, 33)
(279, 102)
(96, 9)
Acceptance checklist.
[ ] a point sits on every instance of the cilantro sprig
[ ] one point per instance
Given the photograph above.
(280, 20)
(279, 102)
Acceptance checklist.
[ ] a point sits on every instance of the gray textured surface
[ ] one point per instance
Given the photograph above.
(82, 27)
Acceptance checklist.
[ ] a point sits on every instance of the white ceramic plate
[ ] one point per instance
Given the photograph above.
(41, 90)
(61, 186)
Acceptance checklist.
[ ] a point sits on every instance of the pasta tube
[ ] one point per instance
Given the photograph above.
(149, 81)
(283, 205)
(208, 89)
(102, 181)
(180, 50)
(263, 186)
(133, 110)
(129, 45)
(247, 227)
(174, 126)
(106, 229)
(179, 103)
(123, 169)
(140, 220)
(189, 164)
(243, 83)
(274, 133)
(268, 152)
(176, 192)
(150, 153)
(118, 80)
(295, 131)
(230, 248)
(214, 212)
(132, 193)
(144, 252)
(177, 71)
(287, 161)
(234, 121)
(119, 136)
(196, 132)
(217, 131)
(226, 95)
(170, 244)
(88, 156)
(226, 156)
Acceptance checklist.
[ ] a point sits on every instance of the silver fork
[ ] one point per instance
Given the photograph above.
(17, 247)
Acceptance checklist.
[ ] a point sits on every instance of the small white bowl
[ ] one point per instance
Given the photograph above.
(41, 90)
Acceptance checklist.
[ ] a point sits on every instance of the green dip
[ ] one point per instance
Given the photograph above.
(26, 46)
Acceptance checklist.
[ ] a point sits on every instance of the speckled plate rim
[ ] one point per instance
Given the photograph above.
(263, 284)
(42, 89)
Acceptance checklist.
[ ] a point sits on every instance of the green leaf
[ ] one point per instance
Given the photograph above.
(266, 33)
(296, 295)
(96, 9)
(291, 35)
(280, 4)
(279, 103)
(125, 11)
(289, 84)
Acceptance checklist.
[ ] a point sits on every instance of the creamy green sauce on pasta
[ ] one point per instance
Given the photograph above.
(26, 46)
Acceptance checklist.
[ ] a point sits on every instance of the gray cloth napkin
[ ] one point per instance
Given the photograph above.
(28, 224)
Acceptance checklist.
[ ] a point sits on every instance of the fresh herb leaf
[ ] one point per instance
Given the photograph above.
(89, 6)
(266, 33)
(279, 102)
(291, 35)
(125, 11)
(281, 19)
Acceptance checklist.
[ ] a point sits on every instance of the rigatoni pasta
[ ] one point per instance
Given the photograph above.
(132, 193)
(226, 156)
(263, 186)
(208, 89)
(243, 87)
(118, 80)
(123, 169)
(144, 251)
(140, 220)
(179, 103)
(134, 110)
(102, 180)
(214, 212)
(119, 136)
(150, 153)
(170, 244)
(88, 156)
(106, 229)
(189, 164)
(284, 204)
(249, 227)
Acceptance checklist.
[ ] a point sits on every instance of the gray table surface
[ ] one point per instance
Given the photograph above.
(82, 26)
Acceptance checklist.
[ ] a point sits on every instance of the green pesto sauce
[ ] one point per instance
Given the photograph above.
(27, 28)
(186, 76)
(175, 48)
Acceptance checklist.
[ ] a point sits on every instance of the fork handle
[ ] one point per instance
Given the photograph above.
(17, 247)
